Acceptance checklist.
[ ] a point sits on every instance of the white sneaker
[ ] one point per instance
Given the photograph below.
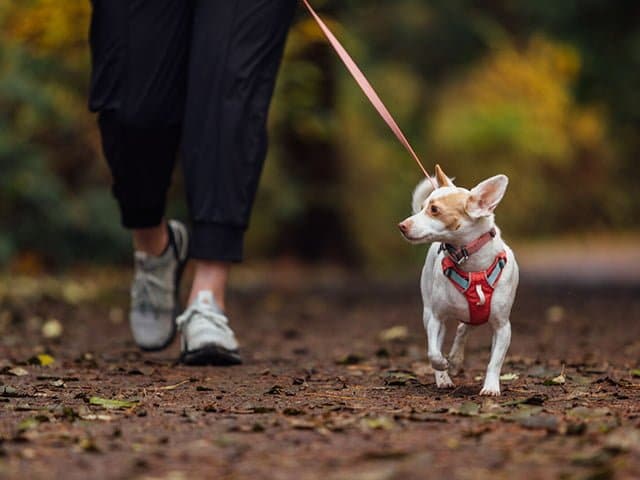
(154, 291)
(206, 336)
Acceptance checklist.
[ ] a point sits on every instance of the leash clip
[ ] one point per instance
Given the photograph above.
(464, 257)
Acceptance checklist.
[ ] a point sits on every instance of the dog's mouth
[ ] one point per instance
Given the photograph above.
(416, 240)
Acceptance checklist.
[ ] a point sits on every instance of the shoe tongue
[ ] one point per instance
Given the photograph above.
(144, 258)
(140, 258)
(206, 297)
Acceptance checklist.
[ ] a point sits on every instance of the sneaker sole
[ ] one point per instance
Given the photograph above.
(211, 355)
(178, 276)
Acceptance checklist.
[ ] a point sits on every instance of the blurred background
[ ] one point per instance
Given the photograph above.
(546, 92)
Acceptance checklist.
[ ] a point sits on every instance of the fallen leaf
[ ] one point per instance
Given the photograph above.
(18, 371)
(112, 403)
(508, 377)
(399, 377)
(88, 445)
(32, 422)
(8, 391)
(635, 372)
(378, 423)
(559, 380)
(522, 411)
(555, 314)
(300, 424)
(468, 409)
(104, 418)
(350, 359)
(394, 334)
(52, 328)
(275, 390)
(42, 359)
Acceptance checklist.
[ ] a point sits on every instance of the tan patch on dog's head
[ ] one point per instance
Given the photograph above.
(449, 209)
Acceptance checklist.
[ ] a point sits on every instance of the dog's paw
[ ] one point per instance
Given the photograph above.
(438, 362)
(491, 389)
(443, 380)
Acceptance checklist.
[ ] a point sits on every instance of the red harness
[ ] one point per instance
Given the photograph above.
(477, 287)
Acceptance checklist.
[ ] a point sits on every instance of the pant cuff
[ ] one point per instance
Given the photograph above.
(141, 217)
(213, 241)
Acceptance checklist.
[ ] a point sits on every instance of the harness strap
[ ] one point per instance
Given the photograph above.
(494, 275)
(461, 279)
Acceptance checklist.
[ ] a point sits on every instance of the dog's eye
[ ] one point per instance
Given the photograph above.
(433, 209)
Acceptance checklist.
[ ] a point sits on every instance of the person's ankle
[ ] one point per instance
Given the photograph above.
(152, 241)
(218, 296)
(210, 276)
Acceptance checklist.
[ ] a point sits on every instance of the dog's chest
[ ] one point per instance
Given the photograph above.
(447, 302)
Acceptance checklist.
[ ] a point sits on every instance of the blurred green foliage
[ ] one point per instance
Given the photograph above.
(546, 92)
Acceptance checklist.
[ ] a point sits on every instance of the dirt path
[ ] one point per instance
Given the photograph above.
(322, 394)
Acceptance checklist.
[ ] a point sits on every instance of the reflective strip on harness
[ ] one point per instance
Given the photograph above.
(492, 278)
(477, 287)
(458, 279)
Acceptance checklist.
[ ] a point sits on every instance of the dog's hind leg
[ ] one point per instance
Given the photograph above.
(456, 355)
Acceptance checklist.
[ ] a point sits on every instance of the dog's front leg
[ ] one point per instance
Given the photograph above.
(435, 337)
(500, 344)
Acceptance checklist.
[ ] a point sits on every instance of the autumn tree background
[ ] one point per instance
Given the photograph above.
(546, 92)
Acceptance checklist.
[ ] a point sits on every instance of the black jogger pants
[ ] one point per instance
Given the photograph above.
(194, 75)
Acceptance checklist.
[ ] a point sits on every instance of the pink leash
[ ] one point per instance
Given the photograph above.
(368, 90)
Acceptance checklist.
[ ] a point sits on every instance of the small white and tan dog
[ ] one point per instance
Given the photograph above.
(470, 275)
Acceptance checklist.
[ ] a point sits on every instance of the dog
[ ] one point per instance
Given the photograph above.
(470, 275)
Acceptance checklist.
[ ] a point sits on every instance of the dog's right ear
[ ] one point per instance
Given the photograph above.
(485, 197)
(420, 194)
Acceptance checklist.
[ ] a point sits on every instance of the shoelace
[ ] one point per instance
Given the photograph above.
(148, 289)
(206, 312)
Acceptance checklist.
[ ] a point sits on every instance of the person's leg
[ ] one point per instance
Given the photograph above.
(152, 240)
(139, 57)
(235, 55)
(236, 51)
(210, 275)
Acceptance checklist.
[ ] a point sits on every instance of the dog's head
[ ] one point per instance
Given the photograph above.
(452, 214)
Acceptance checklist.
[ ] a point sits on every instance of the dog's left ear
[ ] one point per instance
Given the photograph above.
(486, 196)
(442, 179)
